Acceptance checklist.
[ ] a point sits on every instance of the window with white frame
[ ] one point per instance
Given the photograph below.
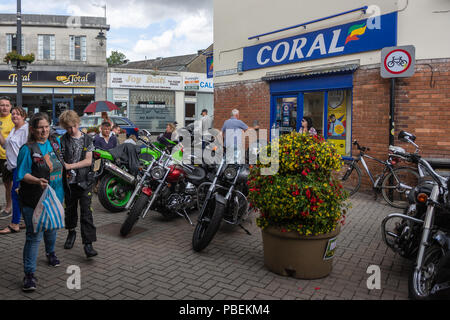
(11, 43)
(46, 47)
(78, 48)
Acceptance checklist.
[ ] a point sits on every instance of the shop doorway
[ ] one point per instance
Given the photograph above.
(59, 106)
(287, 113)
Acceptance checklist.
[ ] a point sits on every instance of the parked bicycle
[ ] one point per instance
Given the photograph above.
(394, 183)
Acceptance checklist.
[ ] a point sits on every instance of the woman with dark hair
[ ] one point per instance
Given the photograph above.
(38, 165)
(307, 127)
(16, 138)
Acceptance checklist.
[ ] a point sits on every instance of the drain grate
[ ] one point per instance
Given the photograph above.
(113, 229)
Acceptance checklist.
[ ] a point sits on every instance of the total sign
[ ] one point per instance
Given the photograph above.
(358, 36)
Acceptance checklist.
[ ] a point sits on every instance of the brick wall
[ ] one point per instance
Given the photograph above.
(252, 99)
(422, 108)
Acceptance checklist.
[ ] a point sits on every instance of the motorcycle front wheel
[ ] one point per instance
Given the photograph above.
(135, 211)
(113, 193)
(422, 281)
(207, 227)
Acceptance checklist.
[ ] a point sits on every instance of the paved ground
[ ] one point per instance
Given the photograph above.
(157, 262)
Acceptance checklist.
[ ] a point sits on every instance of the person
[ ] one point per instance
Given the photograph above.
(335, 126)
(6, 125)
(104, 140)
(77, 148)
(131, 138)
(106, 118)
(206, 121)
(170, 129)
(115, 130)
(232, 130)
(38, 165)
(17, 137)
(307, 127)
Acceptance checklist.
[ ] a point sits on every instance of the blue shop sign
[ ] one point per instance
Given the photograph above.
(344, 39)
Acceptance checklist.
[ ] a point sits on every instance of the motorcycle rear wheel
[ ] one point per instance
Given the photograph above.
(207, 227)
(134, 214)
(421, 282)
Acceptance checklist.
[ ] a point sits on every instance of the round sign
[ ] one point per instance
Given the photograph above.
(397, 61)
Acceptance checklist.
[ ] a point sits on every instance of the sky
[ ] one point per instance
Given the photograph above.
(138, 28)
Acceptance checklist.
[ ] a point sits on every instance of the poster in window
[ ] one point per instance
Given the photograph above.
(337, 119)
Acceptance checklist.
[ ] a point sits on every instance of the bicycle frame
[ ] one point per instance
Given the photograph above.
(385, 163)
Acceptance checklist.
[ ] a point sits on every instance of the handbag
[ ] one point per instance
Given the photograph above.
(49, 212)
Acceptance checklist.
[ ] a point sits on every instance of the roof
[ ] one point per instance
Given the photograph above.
(311, 71)
(178, 63)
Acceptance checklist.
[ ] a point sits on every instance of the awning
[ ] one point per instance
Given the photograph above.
(334, 68)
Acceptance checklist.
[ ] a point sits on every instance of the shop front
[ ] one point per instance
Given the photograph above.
(51, 91)
(151, 100)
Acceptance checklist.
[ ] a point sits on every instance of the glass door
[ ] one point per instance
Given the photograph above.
(59, 106)
(285, 115)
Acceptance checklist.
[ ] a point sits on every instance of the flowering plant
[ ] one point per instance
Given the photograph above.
(14, 56)
(303, 195)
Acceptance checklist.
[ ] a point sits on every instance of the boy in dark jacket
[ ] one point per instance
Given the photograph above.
(77, 150)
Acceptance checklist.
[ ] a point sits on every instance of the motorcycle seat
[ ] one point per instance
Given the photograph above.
(197, 175)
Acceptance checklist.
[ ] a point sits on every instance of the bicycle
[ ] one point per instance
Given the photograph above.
(394, 182)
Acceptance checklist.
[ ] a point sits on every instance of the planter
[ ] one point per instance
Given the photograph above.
(290, 254)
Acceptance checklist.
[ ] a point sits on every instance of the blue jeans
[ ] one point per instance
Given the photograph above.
(30, 251)
(15, 199)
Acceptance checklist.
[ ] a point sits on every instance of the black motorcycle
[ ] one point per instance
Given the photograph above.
(168, 186)
(423, 234)
(224, 197)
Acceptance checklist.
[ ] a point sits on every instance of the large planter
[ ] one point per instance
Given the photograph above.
(290, 254)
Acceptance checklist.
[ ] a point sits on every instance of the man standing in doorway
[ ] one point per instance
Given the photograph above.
(6, 125)
(232, 132)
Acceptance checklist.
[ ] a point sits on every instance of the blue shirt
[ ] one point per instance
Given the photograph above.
(235, 128)
(24, 163)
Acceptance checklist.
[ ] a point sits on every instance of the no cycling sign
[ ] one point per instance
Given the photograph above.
(397, 62)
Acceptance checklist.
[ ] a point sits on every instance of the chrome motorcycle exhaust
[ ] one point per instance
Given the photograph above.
(122, 174)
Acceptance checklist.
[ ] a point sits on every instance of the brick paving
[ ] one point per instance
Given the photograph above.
(157, 262)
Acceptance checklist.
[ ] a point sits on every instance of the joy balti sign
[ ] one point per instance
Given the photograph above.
(359, 36)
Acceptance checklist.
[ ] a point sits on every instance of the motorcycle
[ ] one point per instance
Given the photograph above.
(424, 232)
(168, 186)
(116, 182)
(224, 197)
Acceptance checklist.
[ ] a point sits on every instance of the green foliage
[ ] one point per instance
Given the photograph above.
(116, 58)
(14, 56)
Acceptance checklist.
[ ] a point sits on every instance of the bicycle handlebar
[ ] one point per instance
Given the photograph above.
(363, 149)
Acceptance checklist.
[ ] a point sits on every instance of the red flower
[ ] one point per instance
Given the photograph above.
(304, 173)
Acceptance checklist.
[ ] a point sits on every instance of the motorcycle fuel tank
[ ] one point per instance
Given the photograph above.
(175, 174)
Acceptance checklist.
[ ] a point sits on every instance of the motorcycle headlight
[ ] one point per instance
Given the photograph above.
(230, 172)
(157, 173)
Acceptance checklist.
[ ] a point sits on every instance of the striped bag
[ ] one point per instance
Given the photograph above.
(49, 212)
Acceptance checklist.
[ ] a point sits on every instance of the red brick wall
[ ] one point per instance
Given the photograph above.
(422, 108)
(252, 99)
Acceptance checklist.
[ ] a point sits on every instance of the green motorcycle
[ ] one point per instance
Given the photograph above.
(115, 182)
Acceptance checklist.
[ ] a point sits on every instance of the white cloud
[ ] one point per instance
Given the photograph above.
(192, 33)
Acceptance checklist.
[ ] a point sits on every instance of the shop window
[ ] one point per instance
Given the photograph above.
(339, 120)
(313, 108)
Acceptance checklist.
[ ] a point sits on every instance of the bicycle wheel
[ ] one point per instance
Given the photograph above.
(396, 185)
(349, 176)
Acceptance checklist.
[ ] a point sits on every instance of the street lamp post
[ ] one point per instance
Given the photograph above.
(19, 51)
